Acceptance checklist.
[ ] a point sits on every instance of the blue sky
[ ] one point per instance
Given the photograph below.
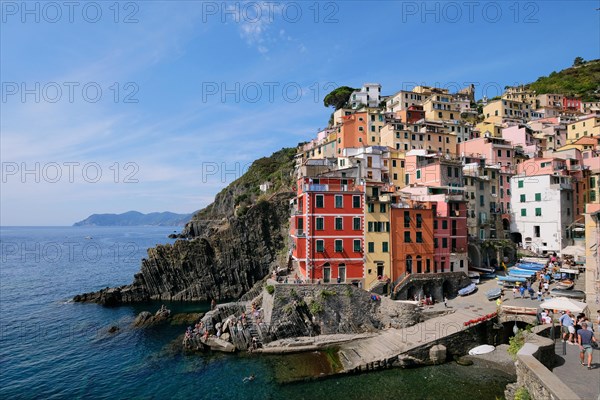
(156, 105)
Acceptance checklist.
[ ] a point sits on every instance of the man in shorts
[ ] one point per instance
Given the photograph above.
(567, 327)
(585, 338)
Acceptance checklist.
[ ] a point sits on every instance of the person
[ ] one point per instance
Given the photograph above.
(546, 287)
(445, 302)
(522, 291)
(539, 295)
(567, 328)
(248, 378)
(514, 292)
(585, 338)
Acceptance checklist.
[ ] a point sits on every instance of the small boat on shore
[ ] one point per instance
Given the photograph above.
(565, 284)
(474, 276)
(490, 275)
(467, 290)
(483, 349)
(494, 293)
(569, 293)
(511, 279)
(481, 269)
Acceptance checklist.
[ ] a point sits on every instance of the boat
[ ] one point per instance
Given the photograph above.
(494, 293)
(490, 275)
(571, 294)
(518, 271)
(535, 260)
(532, 267)
(483, 349)
(467, 290)
(474, 276)
(485, 270)
(511, 279)
(565, 284)
(88, 238)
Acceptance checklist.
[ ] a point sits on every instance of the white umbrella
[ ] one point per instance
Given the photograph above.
(564, 304)
(574, 251)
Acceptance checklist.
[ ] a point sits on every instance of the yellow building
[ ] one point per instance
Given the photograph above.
(495, 130)
(397, 169)
(499, 111)
(520, 94)
(375, 121)
(592, 253)
(377, 236)
(440, 107)
(586, 126)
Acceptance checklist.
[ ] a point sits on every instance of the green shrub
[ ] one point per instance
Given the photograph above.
(515, 343)
(327, 293)
(348, 291)
(270, 289)
(316, 307)
(522, 394)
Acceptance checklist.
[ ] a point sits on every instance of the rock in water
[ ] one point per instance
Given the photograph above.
(437, 354)
(142, 319)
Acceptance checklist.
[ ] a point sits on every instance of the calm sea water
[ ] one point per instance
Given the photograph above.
(53, 348)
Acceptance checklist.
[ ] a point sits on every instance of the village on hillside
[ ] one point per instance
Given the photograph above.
(425, 182)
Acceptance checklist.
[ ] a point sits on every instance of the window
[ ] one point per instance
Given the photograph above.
(444, 224)
(384, 247)
(522, 198)
(538, 212)
(520, 184)
(356, 223)
(355, 201)
(444, 243)
(536, 231)
(357, 245)
(370, 226)
(435, 224)
(523, 212)
(419, 220)
(339, 246)
(339, 201)
(538, 197)
(481, 200)
(499, 153)
(382, 208)
(319, 201)
(407, 237)
(419, 238)
(371, 207)
(319, 224)
(371, 247)
(320, 245)
(338, 224)
(418, 174)
(435, 243)
(406, 219)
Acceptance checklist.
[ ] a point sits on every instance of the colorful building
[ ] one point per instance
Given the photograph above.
(326, 228)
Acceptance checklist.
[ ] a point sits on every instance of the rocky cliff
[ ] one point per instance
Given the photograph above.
(226, 248)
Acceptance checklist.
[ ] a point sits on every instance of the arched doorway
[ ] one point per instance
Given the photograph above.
(419, 264)
(326, 273)
(474, 255)
(447, 289)
(409, 264)
(505, 224)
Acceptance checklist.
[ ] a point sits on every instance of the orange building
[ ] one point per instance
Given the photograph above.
(412, 239)
(352, 132)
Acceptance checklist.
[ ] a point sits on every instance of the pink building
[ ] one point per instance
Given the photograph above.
(494, 150)
(521, 135)
(432, 169)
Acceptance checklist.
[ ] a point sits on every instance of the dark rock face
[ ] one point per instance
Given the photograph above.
(222, 257)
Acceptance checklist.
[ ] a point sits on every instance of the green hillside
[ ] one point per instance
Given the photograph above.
(581, 81)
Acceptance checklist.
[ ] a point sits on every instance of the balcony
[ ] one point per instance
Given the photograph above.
(299, 233)
(311, 187)
(561, 186)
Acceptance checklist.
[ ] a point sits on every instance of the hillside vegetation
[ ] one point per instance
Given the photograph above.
(581, 81)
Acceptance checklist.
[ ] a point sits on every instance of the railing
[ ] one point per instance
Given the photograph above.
(311, 187)
(300, 233)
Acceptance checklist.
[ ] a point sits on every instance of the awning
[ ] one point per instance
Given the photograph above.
(573, 250)
(564, 304)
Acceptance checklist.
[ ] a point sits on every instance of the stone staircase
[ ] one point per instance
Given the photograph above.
(378, 287)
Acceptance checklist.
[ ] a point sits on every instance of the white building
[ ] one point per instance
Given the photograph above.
(369, 95)
(542, 210)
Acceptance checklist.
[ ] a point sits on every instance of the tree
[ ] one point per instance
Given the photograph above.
(338, 97)
(578, 61)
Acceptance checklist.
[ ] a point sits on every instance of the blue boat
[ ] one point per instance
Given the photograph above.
(511, 279)
(493, 293)
(467, 290)
(518, 271)
(530, 267)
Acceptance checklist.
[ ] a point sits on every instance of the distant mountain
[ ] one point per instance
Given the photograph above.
(135, 218)
(582, 80)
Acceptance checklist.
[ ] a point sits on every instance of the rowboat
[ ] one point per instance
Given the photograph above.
(532, 267)
(519, 271)
(565, 284)
(571, 294)
(474, 276)
(467, 290)
(494, 293)
(511, 279)
(490, 275)
(485, 270)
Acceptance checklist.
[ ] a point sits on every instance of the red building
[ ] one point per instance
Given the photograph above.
(327, 230)
(571, 103)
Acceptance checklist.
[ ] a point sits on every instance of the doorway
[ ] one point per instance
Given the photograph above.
(342, 273)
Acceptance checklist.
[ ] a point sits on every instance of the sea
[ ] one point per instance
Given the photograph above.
(52, 348)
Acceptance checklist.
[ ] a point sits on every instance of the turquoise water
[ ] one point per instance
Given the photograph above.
(53, 348)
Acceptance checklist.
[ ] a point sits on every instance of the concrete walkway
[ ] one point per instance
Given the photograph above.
(584, 382)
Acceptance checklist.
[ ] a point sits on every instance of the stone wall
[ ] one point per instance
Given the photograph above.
(533, 361)
(437, 285)
(308, 310)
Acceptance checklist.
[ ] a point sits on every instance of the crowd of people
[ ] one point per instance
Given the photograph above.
(579, 331)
